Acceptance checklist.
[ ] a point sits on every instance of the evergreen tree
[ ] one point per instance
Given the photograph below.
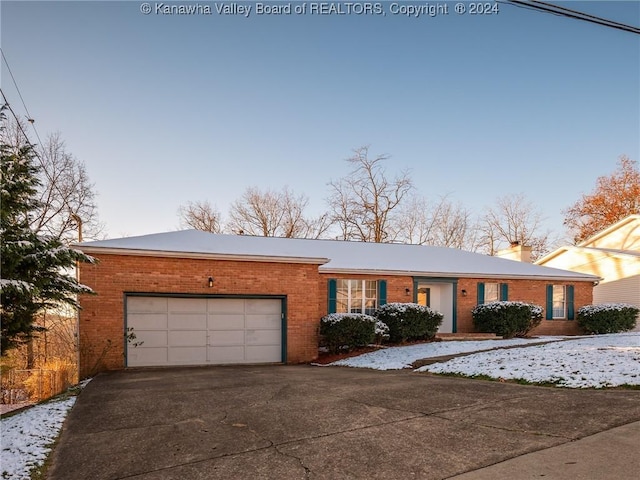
(35, 270)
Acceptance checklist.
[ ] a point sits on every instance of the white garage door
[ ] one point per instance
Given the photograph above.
(197, 331)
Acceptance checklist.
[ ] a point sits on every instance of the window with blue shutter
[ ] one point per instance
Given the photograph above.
(570, 307)
(480, 293)
(504, 292)
(549, 315)
(332, 290)
(382, 292)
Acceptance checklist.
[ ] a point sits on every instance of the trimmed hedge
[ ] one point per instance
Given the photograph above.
(409, 321)
(507, 319)
(608, 317)
(345, 331)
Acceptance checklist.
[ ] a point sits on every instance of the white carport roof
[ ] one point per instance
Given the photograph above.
(333, 256)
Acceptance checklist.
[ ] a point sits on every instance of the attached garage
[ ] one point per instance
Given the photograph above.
(174, 330)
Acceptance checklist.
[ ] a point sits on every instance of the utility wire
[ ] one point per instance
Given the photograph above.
(581, 13)
(8, 105)
(569, 13)
(29, 117)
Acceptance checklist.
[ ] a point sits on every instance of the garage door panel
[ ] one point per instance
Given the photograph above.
(226, 305)
(224, 355)
(225, 321)
(187, 321)
(263, 354)
(147, 304)
(150, 338)
(189, 338)
(181, 305)
(264, 321)
(265, 306)
(188, 355)
(144, 357)
(263, 337)
(147, 321)
(226, 337)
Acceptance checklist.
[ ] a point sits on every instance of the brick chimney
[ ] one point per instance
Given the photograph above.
(516, 251)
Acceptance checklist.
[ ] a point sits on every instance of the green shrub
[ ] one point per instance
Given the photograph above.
(507, 319)
(345, 331)
(608, 317)
(409, 321)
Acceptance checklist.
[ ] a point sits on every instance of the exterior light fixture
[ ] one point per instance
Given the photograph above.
(464, 293)
(210, 282)
(407, 291)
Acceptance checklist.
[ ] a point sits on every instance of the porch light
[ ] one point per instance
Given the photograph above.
(407, 291)
(210, 282)
(464, 293)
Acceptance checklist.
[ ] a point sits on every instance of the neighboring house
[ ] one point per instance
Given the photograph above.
(612, 254)
(191, 297)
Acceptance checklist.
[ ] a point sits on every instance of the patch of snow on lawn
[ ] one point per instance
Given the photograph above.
(598, 361)
(26, 436)
(397, 358)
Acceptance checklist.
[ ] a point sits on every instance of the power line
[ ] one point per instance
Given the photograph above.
(29, 117)
(14, 82)
(569, 13)
(8, 105)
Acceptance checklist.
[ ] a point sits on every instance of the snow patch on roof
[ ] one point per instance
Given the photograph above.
(347, 257)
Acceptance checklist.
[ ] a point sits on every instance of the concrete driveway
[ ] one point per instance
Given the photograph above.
(299, 422)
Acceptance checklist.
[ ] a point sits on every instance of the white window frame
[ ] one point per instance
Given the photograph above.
(356, 304)
(560, 290)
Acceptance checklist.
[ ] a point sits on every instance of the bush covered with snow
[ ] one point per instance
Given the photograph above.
(608, 317)
(382, 332)
(345, 331)
(507, 319)
(409, 321)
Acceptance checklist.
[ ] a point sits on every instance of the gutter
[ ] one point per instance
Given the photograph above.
(200, 255)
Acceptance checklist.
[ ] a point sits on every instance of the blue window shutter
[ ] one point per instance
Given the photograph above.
(549, 302)
(382, 292)
(504, 292)
(570, 308)
(332, 295)
(480, 293)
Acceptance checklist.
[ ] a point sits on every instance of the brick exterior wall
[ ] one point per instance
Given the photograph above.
(530, 291)
(102, 316)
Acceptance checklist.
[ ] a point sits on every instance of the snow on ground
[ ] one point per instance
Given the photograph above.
(26, 436)
(397, 358)
(576, 362)
(600, 361)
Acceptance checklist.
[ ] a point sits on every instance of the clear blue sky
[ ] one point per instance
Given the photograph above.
(166, 109)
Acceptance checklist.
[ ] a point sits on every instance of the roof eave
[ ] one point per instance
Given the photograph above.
(200, 255)
(453, 275)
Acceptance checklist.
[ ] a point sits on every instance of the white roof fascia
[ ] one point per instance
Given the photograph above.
(580, 277)
(631, 218)
(606, 252)
(551, 255)
(202, 256)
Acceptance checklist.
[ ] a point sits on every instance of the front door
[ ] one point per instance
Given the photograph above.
(438, 297)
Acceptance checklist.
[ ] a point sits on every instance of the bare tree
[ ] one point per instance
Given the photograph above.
(200, 215)
(67, 197)
(275, 214)
(443, 224)
(364, 204)
(514, 219)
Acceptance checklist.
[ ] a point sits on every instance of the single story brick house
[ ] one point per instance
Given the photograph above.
(191, 297)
